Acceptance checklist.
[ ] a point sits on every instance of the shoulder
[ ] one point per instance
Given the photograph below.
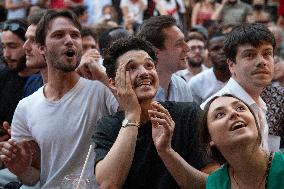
(201, 76)
(181, 108)
(218, 179)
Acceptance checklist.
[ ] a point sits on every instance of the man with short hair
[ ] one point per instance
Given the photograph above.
(125, 153)
(249, 49)
(196, 56)
(89, 39)
(60, 117)
(212, 80)
(232, 12)
(13, 78)
(34, 60)
(171, 50)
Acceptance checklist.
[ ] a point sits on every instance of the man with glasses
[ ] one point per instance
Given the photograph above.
(212, 80)
(196, 56)
(13, 78)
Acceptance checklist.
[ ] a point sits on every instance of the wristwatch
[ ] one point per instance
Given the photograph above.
(127, 123)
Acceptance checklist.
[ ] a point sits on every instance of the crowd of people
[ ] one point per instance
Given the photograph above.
(168, 93)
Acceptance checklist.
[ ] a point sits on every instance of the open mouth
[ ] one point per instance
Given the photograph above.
(140, 83)
(70, 53)
(238, 125)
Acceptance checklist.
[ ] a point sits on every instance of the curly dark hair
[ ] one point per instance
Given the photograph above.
(122, 46)
(205, 138)
(152, 29)
(254, 34)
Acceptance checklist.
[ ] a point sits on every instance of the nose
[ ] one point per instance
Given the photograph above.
(234, 114)
(142, 71)
(27, 45)
(261, 61)
(6, 53)
(186, 47)
(68, 40)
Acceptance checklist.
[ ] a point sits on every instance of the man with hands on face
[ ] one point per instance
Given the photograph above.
(126, 156)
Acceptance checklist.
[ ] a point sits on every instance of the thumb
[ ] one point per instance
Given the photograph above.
(7, 127)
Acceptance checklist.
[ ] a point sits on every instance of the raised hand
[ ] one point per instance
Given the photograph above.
(124, 92)
(90, 68)
(162, 127)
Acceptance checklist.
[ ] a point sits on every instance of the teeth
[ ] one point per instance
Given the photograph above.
(144, 83)
(238, 125)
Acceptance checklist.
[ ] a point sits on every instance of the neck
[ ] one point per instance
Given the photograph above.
(254, 92)
(222, 74)
(164, 80)
(194, 70)
(43, 72)
(248, 167)
(59, 83)
(145, 106)
(27, 72)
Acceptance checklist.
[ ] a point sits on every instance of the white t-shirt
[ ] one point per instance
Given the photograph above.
(203, 85)
(134, 9)
(63, 128)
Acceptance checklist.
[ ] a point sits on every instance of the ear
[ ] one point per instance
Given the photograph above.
(231, 65)
(41, 49)
(158, 53)
(211, 143)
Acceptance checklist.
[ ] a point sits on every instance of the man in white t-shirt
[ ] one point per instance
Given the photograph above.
(210, 81)
(249, 49)
(52, 129)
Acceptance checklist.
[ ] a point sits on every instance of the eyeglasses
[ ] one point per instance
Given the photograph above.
(194, 48)
(11, 26)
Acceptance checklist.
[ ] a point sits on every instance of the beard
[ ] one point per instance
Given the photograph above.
(193, 63)
(63, 66)
(21, 65)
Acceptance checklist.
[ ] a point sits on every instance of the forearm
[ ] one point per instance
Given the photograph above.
(11, 6)
(216, 15)
(142, 5)
(185, 175)
(112, 171)
(30, 176)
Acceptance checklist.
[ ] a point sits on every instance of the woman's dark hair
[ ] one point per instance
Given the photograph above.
(205, 138)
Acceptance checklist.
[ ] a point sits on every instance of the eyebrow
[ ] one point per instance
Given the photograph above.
(223, 107)
(147, 58)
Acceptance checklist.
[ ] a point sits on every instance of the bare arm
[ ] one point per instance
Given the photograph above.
(11, 6)
(163, 126)
(217, 14)
(112, 171)
(195, 11)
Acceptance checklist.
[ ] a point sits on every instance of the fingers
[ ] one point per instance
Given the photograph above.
(160, 116)
(8, 150)
(7, 127)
